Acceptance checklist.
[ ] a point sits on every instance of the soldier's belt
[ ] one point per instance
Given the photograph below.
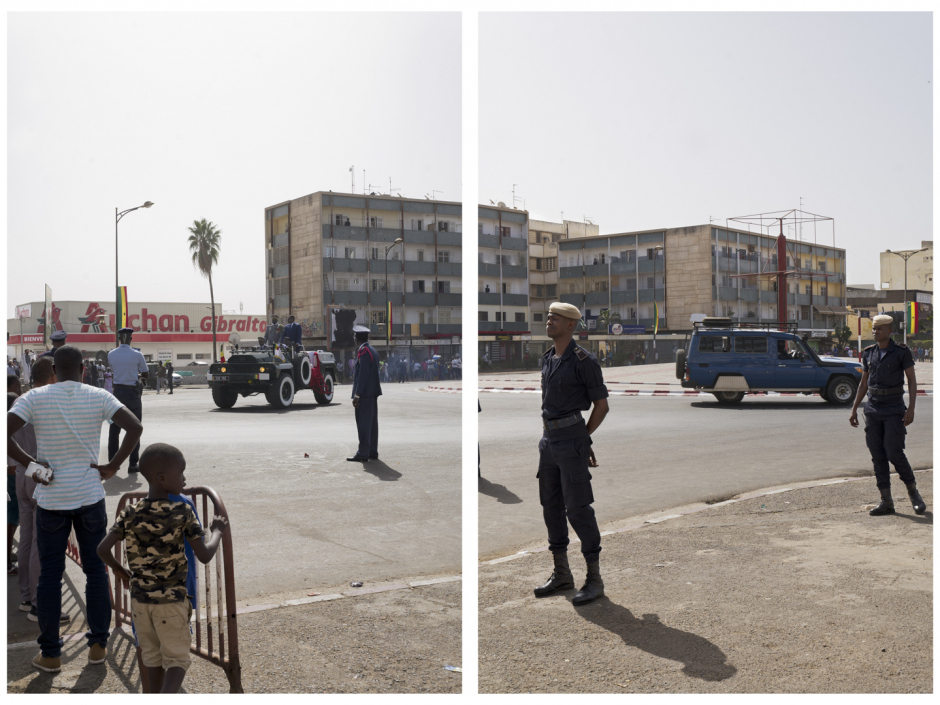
(555, 424)
(886, 392)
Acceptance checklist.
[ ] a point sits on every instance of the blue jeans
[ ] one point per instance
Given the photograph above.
(52, 533)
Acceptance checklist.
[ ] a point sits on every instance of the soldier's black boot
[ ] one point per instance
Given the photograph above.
(920, 506)
(886, 506)
(593, 585)
(561, 579)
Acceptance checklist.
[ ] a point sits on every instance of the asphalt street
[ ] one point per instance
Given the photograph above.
(655, 453)
(303, 518)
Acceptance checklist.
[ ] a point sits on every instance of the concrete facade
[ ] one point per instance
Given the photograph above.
(503, 278)
(919, 269)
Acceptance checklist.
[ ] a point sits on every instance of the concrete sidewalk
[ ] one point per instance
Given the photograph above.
(787, 590)
(395, 641)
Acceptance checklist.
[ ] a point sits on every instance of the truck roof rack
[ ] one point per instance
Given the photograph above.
(723, 322)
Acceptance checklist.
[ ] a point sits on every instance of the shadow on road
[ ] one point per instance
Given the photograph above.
(119, 484)
(701, 658)
(268, 409)
(754, 404)
(500, 492)
(381, 471)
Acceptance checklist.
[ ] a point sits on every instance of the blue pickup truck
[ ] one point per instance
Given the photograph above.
(730, 361)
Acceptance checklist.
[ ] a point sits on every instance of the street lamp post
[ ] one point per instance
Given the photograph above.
(905, 255)
(388, 323)
(656, 251)
(117, 219)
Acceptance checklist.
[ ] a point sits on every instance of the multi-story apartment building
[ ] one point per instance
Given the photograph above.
(503, 278)
(544, 237)
(919, 269)
(328, 250)
(700, 269)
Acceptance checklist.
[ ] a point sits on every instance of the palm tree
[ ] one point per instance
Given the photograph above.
(204, 244)
(607, 317)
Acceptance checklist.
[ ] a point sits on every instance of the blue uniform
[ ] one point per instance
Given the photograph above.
(884, 426)
(367, 387)
(570, 384)
(126, 362)
(293, 332)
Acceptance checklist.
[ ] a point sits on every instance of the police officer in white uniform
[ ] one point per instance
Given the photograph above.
(128, 366)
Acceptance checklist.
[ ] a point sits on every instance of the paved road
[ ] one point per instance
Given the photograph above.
(657, 453)
(320, 522)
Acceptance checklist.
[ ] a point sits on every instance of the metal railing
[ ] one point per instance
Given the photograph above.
(216, 626)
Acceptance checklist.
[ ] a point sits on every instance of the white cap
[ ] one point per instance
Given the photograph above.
(360, 329)
(565, 310)
(882, 320)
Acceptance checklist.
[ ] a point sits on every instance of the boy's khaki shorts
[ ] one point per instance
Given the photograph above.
(163, 633)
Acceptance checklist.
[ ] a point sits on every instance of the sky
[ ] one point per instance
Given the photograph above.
(657, 120)
(215, 116)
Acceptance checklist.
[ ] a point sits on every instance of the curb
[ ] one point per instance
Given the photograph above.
(674, 514)
(640, 392)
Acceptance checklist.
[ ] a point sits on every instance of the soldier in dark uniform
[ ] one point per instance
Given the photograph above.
(884, 367)
(365, 395)
(571, 382)
(58, 340)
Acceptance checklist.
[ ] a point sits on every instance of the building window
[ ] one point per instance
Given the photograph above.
(417, 224)
(329, 252)
(550, 290)
(340, 219)
(504, 231)
(281, 286)
(520, 317)
(421, 255)
(443, 287)
(809, 288)
(484, 315)
(551, 263)
(480, 232)
(538, 263)
(378, 285)
(342, 284)
(443, 255)
(350, 252)
(417, 286)
(822, 266)
(203, 356)
(804, 313)
(280, 256)
(442, 226)
(378, 317)
(505, 288)
(822, 291)
(806, 264)
(375, 253)
(375, 221)
(538, 290)
(184, 356)
(501, 316)
(537, 317)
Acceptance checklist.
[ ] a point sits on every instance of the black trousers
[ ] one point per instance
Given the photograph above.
(367, 423)
(885, 434)
(565, 494)
(127, 396)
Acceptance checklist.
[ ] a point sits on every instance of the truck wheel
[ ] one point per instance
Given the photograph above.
(327, 395)
(224, 398)
(840, 391)
(282, 393)
(729, 397)
(302, 371)
(680, 364)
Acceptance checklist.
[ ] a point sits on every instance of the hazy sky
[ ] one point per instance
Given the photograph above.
(660, 120)
(209, 116)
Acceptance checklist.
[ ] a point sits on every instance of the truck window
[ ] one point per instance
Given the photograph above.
(750, 344)
(714, 344)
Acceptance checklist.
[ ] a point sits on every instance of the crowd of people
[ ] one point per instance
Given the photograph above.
(401, 369)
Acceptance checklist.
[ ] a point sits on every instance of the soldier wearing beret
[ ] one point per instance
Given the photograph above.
(884, 367)
(571, 382)
(58, 340)
(365, 395)
(128, 366)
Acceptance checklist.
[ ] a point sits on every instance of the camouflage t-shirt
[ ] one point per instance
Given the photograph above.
(154, 531)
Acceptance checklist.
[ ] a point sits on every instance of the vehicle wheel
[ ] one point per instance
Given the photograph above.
(822, 395)
(282, 393)
(327, 395)
(680, 364)
(302, 371)
(729, 397)
(224, 398)
(840, 391)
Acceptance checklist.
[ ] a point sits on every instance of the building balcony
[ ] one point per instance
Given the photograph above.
(647, 265)
(596, 298)
(449, 269)
(646, 295)
(450, 239)
(348, 298)
(490, 241)
(595, 270)
(517, 244)
(336, 264)
(627, 296)
(419, 299)
(415, 267)
(768, 297)
(487, 269)
(574, 299)
(485, 298)
(503, 327)
(622, 267)
(515, 300)
(571, 272)
(454, 299)
(515, 272)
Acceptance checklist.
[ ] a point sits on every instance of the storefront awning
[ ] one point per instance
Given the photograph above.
(822, 309)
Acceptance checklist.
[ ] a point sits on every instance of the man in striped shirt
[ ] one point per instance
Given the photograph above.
(67, 418)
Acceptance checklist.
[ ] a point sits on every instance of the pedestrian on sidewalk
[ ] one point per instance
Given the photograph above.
(67, 418)
(572, 381)
(155, 531)
(884, 367)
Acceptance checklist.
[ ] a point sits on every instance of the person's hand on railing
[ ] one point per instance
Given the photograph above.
(218, 524)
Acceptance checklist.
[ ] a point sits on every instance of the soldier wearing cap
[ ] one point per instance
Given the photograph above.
(884, 367)
(365, 395)
(274, 333)
(128, 366)
(58, 340)
(571, 382)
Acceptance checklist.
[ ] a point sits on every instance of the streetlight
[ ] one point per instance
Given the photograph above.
(117, 295)
(388, 323)
(656, 251)
(905, 255)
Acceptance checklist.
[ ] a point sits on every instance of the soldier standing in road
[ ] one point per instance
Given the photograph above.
(169, 374)
(58, 340)
(128, 366)
(365, 395)
(884, 367)
(571, 382)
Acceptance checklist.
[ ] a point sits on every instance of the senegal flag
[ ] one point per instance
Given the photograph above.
(121, 318)
(388, 322)
(912, 317)
(655, 317)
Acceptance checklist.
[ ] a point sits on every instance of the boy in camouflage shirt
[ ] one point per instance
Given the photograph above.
(154, 530)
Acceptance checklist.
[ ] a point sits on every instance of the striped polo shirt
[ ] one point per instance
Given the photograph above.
(67, 418)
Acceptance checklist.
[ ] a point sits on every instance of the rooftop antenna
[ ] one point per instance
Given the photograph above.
(363, 182)
(353, 174)
(241, 306)
(432, 197)
(391, 190)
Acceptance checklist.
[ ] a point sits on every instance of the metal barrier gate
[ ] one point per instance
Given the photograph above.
(216, 627)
